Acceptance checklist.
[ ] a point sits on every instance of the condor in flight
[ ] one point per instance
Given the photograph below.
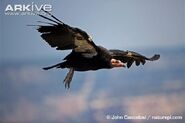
(85, 55)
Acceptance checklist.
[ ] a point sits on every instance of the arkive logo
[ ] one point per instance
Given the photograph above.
(26, 9)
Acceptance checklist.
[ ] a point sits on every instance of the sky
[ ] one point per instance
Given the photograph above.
(122, 24)
(29, 94)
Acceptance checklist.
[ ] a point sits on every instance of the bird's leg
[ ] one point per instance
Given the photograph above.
(68, 78)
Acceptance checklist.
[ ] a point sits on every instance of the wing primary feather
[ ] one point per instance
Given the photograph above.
(153, 58)
(34, 25)
(46, 23)
(137, 62)
(129, 63)
(143, 61)
(52, 16)
(48, 19)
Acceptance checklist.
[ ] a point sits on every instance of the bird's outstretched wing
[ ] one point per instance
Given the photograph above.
(63, 37)
(129, 57)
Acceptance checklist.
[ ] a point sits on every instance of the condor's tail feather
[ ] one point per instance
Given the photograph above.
(60, 65)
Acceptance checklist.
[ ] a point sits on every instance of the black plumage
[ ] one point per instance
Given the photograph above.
(85, 55)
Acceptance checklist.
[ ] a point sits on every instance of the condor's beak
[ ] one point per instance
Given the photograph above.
(117, 63)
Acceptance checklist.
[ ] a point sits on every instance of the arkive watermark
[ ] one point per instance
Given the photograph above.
(27, 9)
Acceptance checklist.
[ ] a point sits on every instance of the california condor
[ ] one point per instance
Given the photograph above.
(85, 55)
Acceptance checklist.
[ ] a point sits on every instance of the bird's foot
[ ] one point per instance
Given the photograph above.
(67, 81)
(68, 78)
